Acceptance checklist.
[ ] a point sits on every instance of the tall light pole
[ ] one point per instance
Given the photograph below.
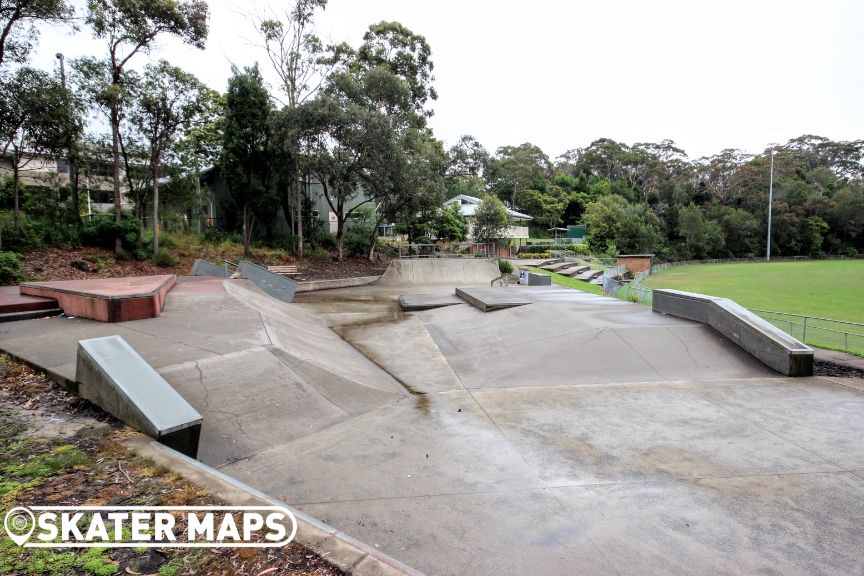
(770, 201)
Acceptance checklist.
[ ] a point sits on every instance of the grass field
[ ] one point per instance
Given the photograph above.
(826, 288)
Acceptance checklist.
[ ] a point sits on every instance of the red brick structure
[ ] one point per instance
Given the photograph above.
(107, 299)
(636, 263)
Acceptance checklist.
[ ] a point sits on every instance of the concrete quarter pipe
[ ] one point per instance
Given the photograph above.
(432, 271)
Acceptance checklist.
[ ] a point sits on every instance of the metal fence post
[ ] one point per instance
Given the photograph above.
(805, 328)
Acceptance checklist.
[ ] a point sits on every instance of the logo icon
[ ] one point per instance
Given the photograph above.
(19, 524)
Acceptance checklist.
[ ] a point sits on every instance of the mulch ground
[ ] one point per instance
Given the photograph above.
(94, 468)
(67, 263)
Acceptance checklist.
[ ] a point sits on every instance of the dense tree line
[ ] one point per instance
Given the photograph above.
(355, 119)
(651, 198)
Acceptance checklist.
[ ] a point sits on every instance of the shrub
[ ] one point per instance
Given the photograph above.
(165, 258)
(218, 236)
(356, 244)
(505, 266)
(101, 229)
(319, 254)
(11, 271)
(324, 238)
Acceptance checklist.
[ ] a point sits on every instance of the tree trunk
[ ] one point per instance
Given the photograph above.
(154, 170)
(374, 238)
(246, 230)
(115, 150)
(73, 192)
(15, 187)
(299, 214)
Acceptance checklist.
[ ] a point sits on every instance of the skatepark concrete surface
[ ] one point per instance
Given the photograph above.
(577, 434)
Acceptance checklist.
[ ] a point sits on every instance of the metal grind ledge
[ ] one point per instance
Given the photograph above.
(204, 268)
(274, 285)
(343, 551)
(114, 377)
(771, 346)
(487, 299)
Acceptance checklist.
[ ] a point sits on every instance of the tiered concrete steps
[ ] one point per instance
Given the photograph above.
(574, 271)
(16, 306)
(589, 275)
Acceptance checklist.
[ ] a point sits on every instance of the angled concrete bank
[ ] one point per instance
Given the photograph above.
(773, 347)
(114, 377)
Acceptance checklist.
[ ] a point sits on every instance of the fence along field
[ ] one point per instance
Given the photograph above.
(818, 302)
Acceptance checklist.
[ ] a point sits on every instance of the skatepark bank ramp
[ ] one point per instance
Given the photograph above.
(429, 271)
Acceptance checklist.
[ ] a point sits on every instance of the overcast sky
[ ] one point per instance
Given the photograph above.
(559, 74)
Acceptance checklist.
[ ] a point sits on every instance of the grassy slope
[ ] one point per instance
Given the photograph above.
(570, 282)
(828, 289)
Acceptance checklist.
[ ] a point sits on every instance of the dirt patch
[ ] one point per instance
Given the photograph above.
(836, 370)
(88, 465)
(66, 263)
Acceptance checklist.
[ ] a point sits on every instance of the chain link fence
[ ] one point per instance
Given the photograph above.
(821, 332)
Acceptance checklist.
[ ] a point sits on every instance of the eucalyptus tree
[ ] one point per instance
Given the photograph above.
(245, 157)
(130, 27)
(168, 99)
(303, 63)
(19, 20)
(37, 122)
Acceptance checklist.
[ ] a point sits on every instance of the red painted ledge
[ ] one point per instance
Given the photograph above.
(107, 299)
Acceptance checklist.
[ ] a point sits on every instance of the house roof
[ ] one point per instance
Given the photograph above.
(470, 208)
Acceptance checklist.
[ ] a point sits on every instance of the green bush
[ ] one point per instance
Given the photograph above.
(11, 271)
(505, 266)
(324, 238)
(101, 230)
(319, 254)
(218, 235)
(165, 258)
(356, 244)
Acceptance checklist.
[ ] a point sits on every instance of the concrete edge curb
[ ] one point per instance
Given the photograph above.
(341, 550)
(314, 285)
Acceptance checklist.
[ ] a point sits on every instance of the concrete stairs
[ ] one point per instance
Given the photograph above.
(16, 306)
(589, 275)
(574, 271)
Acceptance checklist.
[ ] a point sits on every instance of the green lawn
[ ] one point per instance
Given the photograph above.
(825, 288)
(570, 282)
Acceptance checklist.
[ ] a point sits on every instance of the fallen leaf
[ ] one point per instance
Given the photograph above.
(268, 570)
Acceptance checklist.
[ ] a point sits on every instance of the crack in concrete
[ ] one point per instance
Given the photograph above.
(687, 348)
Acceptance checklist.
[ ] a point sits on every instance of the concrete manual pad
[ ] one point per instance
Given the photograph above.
(487, 299)
(415, 302)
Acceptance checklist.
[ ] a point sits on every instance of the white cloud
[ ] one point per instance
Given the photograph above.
(709, 75)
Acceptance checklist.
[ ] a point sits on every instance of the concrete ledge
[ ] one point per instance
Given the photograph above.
(107, 299)
(346, 553)
(771, 346)
(313, 285)
(274, 285)
(204, 268)
(114, 377)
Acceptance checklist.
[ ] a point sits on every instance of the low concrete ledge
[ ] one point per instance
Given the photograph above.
(272, 284)
(771, 346)
(114, 377)
(346, 553)
(313, 285)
